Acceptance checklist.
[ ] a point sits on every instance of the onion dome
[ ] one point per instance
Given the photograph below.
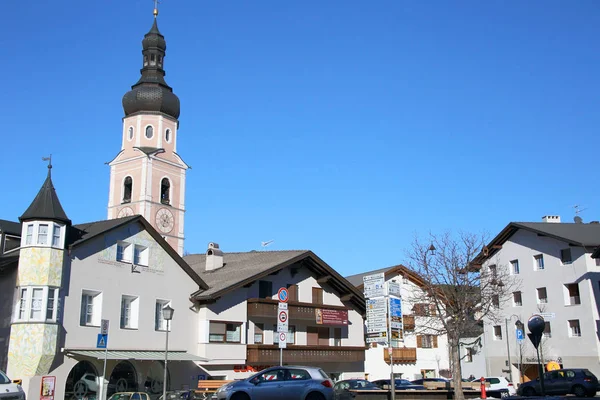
(151, 93)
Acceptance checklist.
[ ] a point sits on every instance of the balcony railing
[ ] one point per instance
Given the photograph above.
(408, 322)
(264, 354)
(404, 355)
(267, 308)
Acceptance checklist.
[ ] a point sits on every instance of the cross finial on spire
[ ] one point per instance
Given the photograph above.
(155, 8)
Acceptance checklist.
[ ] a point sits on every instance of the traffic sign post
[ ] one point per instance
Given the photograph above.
(103, 339)
(283, 296)
(520, 336)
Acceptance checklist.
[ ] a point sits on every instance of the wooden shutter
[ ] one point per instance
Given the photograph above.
(312, 336)
(323, 336)
(434, 342)
(419, 341)
(317, 295)
(432, 310)
(292, 292)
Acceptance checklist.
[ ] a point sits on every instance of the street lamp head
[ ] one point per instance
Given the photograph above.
(167, 313)
(432, 249)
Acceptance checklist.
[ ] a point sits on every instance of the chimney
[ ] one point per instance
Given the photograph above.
(214, 257)
(551, 219)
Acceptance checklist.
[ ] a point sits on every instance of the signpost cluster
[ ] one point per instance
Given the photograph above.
(384, 315)
(282, 321)
(102, 343)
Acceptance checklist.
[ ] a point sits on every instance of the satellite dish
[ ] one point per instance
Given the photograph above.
(577, 219)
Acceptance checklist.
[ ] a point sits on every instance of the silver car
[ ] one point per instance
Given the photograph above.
(287, 382)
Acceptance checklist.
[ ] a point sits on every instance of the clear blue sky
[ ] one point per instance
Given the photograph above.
(343, 127)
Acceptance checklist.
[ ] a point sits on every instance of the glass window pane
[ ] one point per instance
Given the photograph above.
(42, 234)
(29, 236)
(56, 236)
(50, 306)
(36, 303)
(23, 304)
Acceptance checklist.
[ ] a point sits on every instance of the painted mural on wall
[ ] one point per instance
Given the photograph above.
(40, 266)
(156, 258)
(32, 349)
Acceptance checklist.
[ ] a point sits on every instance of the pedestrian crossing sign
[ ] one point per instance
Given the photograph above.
(102, 341)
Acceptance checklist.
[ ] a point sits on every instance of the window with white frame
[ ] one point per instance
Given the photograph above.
(497, 332)
(572, 297)
(29, 234)
(469, 355)
(160, 323)
(46, 234)
(542, 295)
(547, 330)
(574, 329)
(515, 267)
(517, 299)
(91, 308)
(37, 303)
(140, 255)
(130, 307)
(225, 332)
(539, 262)
(124, 251)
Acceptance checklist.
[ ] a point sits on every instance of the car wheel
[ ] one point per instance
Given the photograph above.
(315, 396)
(80, 389)
(240, 396)
(504, 393)
(579, 391)
(529, 391)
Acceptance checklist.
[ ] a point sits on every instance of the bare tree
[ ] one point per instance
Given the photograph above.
(456, 296)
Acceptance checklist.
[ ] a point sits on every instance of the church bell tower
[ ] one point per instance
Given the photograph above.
(147, 176)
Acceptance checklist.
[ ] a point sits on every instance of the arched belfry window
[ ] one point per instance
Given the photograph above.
(168, 135)
(127, 189)
(130, 133)
(165, 187)
(149, 132)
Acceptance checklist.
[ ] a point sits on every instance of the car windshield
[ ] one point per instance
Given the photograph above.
(361, 384)
(3, 378)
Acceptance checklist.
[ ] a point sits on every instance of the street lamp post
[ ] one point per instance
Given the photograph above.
(167, 313)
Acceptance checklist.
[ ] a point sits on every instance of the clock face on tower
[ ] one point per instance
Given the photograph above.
(125, 212)
(165, 220)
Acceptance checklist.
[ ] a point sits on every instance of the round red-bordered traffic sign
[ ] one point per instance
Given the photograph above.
(283, 295)
(283, 316)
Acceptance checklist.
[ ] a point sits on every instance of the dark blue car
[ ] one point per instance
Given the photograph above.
(578, 381)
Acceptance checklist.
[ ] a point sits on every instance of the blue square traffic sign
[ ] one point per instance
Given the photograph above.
(102, 341)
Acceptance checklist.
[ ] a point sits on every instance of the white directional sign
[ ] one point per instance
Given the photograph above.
(548, 315)
(377, 327)
(282, 340)
(377, 338)
(374, 285)
(393, 289)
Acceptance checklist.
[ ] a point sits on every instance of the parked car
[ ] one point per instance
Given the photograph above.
(129, 396)
(289, 382)
(578, 381)
(502, 385)
(401, 384)
(10, 389)
(342, 389)
(422, 381)
(182, 395)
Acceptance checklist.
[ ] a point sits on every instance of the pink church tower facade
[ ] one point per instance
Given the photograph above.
(147, 176)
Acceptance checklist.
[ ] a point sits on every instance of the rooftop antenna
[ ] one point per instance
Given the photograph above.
(578, 209)
(265, 244)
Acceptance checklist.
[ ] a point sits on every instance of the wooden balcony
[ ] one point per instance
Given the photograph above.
(264, 354)
(403, 355)
(267, 308)
(408, 322)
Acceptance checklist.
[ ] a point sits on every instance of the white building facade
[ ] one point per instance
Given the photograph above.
(558, 280)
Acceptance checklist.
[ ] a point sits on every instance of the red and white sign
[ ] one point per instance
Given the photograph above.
(282, 321)
(283, 295)
(282, 340)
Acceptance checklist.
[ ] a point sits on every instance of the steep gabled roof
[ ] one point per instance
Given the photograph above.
(46, 205)
(575, 234)
(357, 280)
(12, 228)
(241, 269)
(82, 233)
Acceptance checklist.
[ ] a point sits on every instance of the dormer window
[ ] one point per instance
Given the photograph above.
(130, 133)
(168, 135)
(127, 189)
(165, 187)
(149, 132)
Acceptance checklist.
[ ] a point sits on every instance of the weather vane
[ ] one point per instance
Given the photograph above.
(49, 159)
(156, 3)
